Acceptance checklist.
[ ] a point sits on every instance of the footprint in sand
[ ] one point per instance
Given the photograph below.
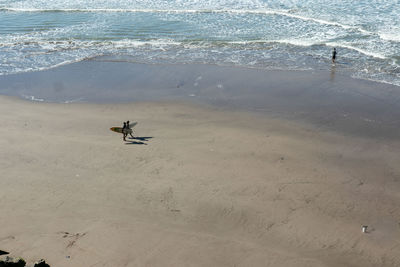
(10, 237)
(73, 237)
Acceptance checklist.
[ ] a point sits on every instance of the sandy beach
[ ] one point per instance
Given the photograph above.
(200, 186)
(267, 135)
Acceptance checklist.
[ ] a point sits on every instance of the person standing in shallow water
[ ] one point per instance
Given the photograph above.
(334, 55)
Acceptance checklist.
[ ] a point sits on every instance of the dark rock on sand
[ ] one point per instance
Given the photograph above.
(12, 262)
(18, 262)
(41, 263)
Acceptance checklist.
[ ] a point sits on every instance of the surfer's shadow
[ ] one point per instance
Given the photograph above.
(143, 138)
(135, 143)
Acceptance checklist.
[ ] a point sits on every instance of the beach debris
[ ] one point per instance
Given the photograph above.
(364, 229)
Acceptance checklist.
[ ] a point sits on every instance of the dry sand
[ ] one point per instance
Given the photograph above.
(208, 188)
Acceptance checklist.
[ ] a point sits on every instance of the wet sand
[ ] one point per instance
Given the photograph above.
(330, 100)
(206, 184)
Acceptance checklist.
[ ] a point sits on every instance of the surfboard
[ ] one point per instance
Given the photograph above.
(120, 130)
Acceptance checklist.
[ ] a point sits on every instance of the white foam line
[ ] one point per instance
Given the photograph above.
(87, 44)
(52, 66)
(296, 42)
(32, 98)
(126, 43)
(320, 21)
(362, 51)
(237, 11)
(74, 100)
(390, 36)
(307, 43)
(283, 41)
(355, 75)
(161, 43)
(111, 10)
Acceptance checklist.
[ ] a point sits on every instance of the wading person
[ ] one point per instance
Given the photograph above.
(333, 55)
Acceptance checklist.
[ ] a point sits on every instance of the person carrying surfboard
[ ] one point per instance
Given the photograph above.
(124, 134)
(129, 127)
(125, 130)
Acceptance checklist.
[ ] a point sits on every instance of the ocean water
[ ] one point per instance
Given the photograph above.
(295, 35)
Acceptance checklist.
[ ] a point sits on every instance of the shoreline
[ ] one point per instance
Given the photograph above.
(328, 100)
(206, 185)
(183, 74)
